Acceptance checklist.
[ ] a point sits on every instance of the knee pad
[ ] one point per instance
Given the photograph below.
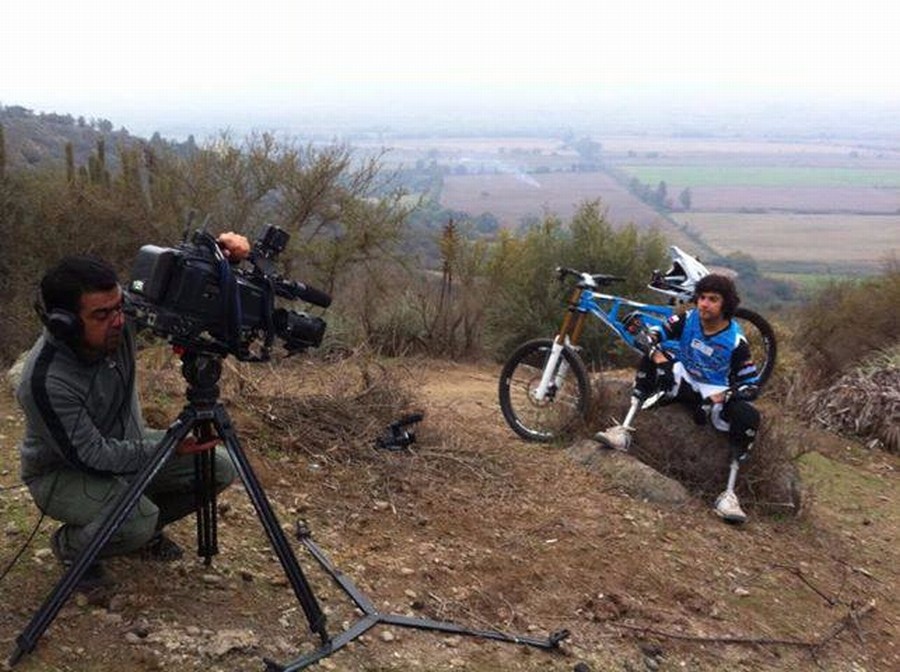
(743, 419)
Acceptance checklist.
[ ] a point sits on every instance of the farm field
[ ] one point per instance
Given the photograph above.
(827, 240)
(820, 205)
(868, 200)
(765, 176)
(512, 197)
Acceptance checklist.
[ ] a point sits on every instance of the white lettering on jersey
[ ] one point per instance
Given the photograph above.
(705, 349)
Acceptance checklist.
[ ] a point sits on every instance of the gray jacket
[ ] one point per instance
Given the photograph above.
(82, 415)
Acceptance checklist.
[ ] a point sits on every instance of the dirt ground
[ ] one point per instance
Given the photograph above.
(474, 526)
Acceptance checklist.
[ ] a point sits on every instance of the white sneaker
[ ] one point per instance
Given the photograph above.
(729, 509)
(617, 437)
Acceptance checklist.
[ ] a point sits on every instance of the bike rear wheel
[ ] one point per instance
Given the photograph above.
(761, 337)
(565, 406)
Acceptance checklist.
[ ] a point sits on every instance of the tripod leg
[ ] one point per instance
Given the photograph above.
(267, 517)
(117, 514)
(205, 495)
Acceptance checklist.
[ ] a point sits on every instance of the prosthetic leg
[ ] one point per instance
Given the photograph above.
(728, 508)
(650, 377)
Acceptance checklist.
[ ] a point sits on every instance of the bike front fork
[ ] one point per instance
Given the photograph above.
(555, 369)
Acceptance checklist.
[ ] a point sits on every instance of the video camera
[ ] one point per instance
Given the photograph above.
(191, 295)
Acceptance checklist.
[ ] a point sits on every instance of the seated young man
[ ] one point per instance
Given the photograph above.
(702, 358)
(85, 436)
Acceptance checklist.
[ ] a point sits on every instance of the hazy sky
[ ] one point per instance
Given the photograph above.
(128, 61)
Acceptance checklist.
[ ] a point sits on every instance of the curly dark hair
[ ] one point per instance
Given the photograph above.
(723, 285)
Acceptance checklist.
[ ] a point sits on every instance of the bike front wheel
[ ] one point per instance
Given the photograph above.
(761, 338)
(566, 403)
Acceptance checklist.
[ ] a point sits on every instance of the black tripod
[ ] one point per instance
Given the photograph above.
(204, 413)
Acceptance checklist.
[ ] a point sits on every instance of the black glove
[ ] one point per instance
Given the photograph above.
(743, 393)
(665, 376)
(645, 341)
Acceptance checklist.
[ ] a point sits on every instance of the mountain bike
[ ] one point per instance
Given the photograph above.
(545, 388)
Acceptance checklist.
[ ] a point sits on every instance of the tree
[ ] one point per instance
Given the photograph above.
(661, 194)
(685, 198)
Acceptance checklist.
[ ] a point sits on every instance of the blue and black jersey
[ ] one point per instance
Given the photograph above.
(721, 359)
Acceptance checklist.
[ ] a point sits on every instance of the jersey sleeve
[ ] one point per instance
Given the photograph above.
(743, 369)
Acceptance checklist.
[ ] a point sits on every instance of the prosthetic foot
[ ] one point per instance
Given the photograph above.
(618, 437)
(727, 507)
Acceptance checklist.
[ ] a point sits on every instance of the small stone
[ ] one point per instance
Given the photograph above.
(11, 529)
(387, 636)
(212, 579)
(452, 642)
(43, 553)
(380, 504)
(406, 571)
(651, 663)
(118, 602)
(410, 593)
(132, 638)
(741, 592)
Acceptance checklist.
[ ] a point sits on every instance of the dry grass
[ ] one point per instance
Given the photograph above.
(864, 402)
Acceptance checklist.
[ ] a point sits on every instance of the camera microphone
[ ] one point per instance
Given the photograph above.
(298, 290)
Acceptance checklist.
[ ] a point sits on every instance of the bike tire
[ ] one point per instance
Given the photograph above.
(763, 344)
(554, 417)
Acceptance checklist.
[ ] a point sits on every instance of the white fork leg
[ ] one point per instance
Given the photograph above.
(547, 374)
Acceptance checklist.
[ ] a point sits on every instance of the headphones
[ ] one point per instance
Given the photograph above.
(62, 324)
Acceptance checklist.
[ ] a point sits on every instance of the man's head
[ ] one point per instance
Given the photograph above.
(83, 304)
(721, 285)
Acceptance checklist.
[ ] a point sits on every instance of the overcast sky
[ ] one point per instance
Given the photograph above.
(125, 61)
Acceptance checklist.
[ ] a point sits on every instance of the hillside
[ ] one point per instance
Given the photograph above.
(475, 526)
(35, 140)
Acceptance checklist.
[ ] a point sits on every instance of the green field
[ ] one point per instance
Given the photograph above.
(761, 176)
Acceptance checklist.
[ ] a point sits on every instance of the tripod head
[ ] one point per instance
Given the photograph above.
(202, 371)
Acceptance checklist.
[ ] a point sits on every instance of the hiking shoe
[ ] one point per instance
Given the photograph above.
(161, 548)
(728, 508)
(617, 437)
(94, 576)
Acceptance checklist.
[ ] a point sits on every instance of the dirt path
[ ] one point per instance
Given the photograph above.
(477, 527)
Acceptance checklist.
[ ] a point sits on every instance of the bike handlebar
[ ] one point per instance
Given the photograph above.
(597, 279)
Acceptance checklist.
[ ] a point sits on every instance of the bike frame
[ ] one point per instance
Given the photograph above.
(608, 309)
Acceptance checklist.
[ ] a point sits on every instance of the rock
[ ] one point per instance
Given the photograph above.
(387, 636)
(628, 473)
(669, 439)
(228, 640)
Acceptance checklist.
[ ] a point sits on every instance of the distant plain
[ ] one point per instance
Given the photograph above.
(793, 205)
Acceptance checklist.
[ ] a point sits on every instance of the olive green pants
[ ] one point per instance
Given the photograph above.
(82, 501)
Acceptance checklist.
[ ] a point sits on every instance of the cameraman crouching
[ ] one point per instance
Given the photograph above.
(85, 435)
